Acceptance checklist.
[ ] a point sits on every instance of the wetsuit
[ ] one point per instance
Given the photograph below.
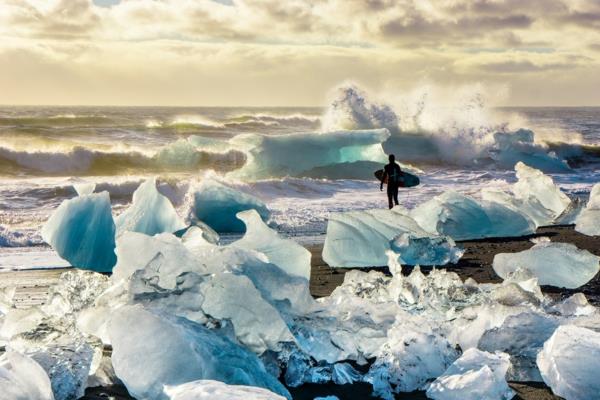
(394, 176)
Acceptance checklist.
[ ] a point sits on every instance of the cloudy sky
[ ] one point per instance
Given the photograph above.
(292, 52)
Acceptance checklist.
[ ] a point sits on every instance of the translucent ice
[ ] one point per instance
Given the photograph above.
(285, 253)
(414, 250)
(570, 361)
(556, 264)
(21, 378)
(217, 206)
(82, 231)
(150, 212)
(160, 349)
(361, 239)
(588, 222)
(84, 188)
(475, 375)
(210, 390)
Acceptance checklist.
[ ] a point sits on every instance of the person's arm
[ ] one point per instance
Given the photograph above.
(383, 179)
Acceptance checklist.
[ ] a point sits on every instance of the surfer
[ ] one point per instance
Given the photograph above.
(392, 175)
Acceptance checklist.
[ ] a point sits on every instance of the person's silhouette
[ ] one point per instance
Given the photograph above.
(393, 173)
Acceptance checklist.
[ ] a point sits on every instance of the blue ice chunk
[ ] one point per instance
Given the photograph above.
(217, 205)
(82, 231)
(150, 212)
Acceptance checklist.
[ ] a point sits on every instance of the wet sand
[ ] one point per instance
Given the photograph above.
(476, 263)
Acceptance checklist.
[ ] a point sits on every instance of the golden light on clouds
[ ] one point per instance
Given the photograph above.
(268, 52)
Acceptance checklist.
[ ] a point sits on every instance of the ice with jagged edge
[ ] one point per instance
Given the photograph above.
(555, 264)
(361, 239)
(210, 390)
(217, 205)
(82, 231)
(150, 212)
(160, 349)
(285, 253)
(462, 218)
(588, 221)
(476, 375)
(21, 378)
(569, 362)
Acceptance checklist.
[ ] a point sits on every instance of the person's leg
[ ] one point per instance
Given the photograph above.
(396, 195)
(390, 195)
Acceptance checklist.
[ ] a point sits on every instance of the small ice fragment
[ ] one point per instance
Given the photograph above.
(556, 264)
(285, 253)
(84, 188)
(82, 231)
(575, 306)
(475, 375)
(150, 212)
(570, 361)
(412, 250)
(21, 378)
(212, 390)
(588, 222)
(217, 205)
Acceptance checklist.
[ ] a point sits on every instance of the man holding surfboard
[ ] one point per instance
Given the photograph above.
(395, 178)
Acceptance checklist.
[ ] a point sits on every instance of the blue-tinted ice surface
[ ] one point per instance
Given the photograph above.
(82, 231)
(150, 212)
(217, 205)
(588, 221)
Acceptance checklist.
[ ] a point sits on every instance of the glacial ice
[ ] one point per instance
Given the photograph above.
(588, 222)
(211, 390)
(556, 264)
(84, 188)
(82, 231)
(570, 361)
(285, 253)
(150, 212)
(476, 375)
(160, 349)
(300, 153)
(21, 378)
(217, 205)
(361, 239)
(534, 184)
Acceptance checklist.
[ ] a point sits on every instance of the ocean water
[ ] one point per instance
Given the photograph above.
(45, 150)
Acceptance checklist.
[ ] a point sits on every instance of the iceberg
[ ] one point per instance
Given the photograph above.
(160, 349)
(150, 212)
(285, 253)
(300, 153)
(217, 205)
(361, 239)
(476, 375)
(21, 378)
(211, 390)
(570, 361)
(555, 264)
(588, 222)
(82, 231)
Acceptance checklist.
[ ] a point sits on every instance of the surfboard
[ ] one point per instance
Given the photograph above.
(408, 179)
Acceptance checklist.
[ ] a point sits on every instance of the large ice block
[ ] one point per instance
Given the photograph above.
(476, 375)
(570, 361)
(217, 205)
(159, 349)
(413, 250)
(150, 212)
(555, 264)
(285, 253)
(212, 390)
(82, 231)
(588, 221)
(21, 378)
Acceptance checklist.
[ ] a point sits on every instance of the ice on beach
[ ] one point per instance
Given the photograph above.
(82, 231)
(588, 221)
(84, 188)
(476, 375)
(534, 184)
(21, 378)
(361, 239)
(569, 362)
(211, 390)
(150, 212)
(555, 264)
(160, 349)
(285, 253)
(217, 205)
(462, 218)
